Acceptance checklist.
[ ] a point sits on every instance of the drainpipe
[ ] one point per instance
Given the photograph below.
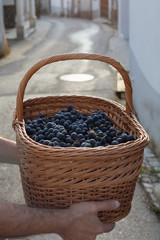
(72, 11)
(20, 19)
(62, 8)
(91, 9)
(110, 10)
(32, 14)
(79, 8)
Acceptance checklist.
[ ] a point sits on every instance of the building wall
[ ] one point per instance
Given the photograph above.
(90, 8)
(85, 5)
(123, 19)
(56, 8)
(76, 8)
(45, 6)
(61, 7)
(67, 8)
(144, 44)
(95, 9)
(85, 9)
(8, 2)
(104, 8)
(9, 13)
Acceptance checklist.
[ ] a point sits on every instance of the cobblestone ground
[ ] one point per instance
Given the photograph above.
(150, 179)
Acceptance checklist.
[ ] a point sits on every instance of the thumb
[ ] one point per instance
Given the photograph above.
(107, 205)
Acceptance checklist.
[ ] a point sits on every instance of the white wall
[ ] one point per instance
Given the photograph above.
(95, 4)
(56, 8)
(76, 5)
(85, 5)
(8, 2)
(144, 35)
(67, 7)
(45, 6)
(145, 38)
(90, 8)
(96, 8)
(123, 19)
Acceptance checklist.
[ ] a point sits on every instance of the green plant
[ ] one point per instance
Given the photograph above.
(155, 209)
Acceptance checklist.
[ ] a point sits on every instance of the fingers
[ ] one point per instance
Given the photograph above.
(107, 205)
(107, 227)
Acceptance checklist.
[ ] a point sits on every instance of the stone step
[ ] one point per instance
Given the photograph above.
(120, 88)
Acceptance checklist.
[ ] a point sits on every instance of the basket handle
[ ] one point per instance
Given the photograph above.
(73, 56)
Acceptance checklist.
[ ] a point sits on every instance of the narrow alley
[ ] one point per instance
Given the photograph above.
(56, 36)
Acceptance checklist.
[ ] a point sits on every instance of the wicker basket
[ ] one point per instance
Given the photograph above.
(57, 176)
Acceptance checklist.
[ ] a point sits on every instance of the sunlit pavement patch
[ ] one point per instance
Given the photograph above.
(77, 77)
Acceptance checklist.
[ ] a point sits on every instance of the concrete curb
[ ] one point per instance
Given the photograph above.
(150, 178)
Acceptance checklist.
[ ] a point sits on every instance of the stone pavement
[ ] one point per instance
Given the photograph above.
(150, 178)
(11, 188)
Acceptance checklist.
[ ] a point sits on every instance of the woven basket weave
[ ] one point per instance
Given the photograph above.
(56, 177)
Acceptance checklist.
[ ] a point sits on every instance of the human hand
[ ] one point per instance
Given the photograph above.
(8, 151)
(82, 222)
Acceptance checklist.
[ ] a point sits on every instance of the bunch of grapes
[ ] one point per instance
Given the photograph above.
(69, 128)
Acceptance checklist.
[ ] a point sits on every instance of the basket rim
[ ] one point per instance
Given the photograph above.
(141, 141)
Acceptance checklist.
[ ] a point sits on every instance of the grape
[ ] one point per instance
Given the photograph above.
(78, 130)
(28, 130)
(98, 143)
(33, 131)
(88, 145)
(80, 136)
(114, 142)
(97, 123)
(104, 129)
(74, 135)
(69, 128)
(130, 138)
(69, 140)
(103, 141)
(112, 134)
(50, 136)
(28, 121)
(46, 142)
(49, 125)
(66, 124)
(60, 135)
(70, 107)
(95, 118)
(77, 144)
(89, 120)
(62, 144)
(91, 135)
(119, 140)
(39, 120)
(92, 142)
(124, 137)
(74, 112)
(100, 134)
(54, 139)
(40, 137)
